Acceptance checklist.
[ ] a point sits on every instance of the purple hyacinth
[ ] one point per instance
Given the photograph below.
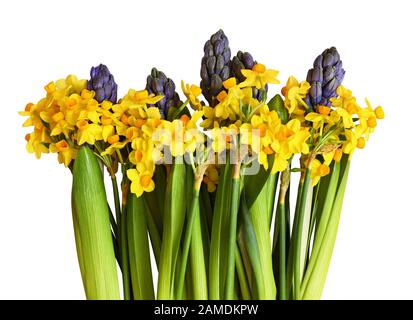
(102, 82)
(159, 84)
(244, 60)
(324, 78)
(215, 66)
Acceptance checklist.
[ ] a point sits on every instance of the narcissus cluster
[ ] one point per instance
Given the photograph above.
(207, 180)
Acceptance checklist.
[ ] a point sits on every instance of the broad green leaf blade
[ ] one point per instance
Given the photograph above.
(259, 212)
(138, 244)
(253, 184)
(92, 228)
(277, 104)
(219, 234)
(322, 221)
(315, 285)
(174, 216)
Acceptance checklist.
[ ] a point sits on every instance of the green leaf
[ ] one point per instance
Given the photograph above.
(174, 216)
(327, 199)
(253, 184)
(317, 278)
(219, 234)
(92, 229)
(139, 256)
(277, 104)
(260, 212)
(252, 249)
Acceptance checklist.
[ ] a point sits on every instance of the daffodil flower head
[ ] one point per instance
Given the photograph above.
(211, 177)
(259, 76)
(192, 92)
(141, 181)
(295, 93)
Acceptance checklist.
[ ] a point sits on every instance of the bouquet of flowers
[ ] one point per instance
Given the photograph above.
(205, 185)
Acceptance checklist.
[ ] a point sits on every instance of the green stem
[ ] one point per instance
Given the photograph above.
(138, 248)
(229, 285)
(299, 233)
(282, 245)
(242, 277)
(174, 216)
(199, 283)
(320, 262)
(218, 249)
(121, 231)
(293, 240)
(154, 235)
(253, 251)
(113, 222)
(116, 200)
(179, 110)
(187, 241)
(124, 257)
(259, 212)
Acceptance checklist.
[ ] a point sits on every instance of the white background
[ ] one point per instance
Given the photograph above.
(42, 41)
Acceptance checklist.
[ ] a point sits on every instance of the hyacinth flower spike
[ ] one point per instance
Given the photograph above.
(159, 84)
(325, 77)
(215, 66)
(102, 82)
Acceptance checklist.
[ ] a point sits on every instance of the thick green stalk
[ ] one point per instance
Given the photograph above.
(219, 243)
(282, 245)
(153, 235)
(206, 207)
(174, 216)
(194, 208)
(306, 237)
(116, 201)
(139, 256)
(230, 280)
(155, 200)
(126, 277)
(252, 249)
(300, 215)
(198, 265)
(259, 212)
(159, 178)
(323, 218)
(314, 287)
(271, 185)
(121, 232)
(92, 228)
(242, 277)
(206, 210)
(245, 260)
(290, 260)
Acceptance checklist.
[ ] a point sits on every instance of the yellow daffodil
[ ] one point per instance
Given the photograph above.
(92, 110)
(295, 93)
(292, 138)
(323, 116)
(211, 178)
(140, 181)
(354, 139)
(88, 132)
(345, 100)
(36, 142)
(318, 170)
(139, 100)
(192, 92)
(65, 153)
(210, 120)
(259, 76)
